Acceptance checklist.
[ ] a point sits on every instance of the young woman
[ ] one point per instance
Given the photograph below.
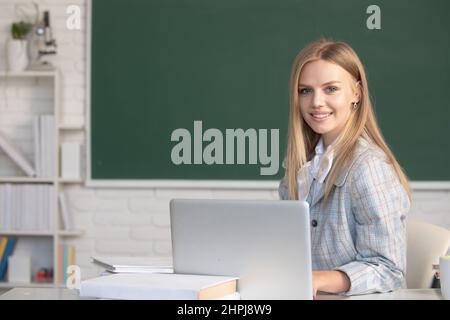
(338, 161)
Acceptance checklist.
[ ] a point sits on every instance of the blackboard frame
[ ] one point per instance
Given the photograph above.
(178, 183)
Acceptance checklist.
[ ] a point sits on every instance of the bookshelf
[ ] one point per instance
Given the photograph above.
(55, 236)
(25, 74)
(24, 180)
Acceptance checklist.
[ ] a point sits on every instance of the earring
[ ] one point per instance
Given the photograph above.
(355, 105)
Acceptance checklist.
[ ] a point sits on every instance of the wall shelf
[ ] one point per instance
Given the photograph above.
(29, 73)
(30, 233)
(70, 127)
(25, 180)
(70, 180)
(70, 233)
(6, 284)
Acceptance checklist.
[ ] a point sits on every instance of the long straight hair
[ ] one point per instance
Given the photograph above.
(302, 139)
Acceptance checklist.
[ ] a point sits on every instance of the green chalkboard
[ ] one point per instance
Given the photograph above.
(160, 65)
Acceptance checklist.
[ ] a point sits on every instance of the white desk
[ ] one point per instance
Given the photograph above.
(402, 294)
(67, 294)
(41, 294)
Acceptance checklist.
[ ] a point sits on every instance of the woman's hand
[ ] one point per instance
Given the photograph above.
(331, 281)
(317, 282)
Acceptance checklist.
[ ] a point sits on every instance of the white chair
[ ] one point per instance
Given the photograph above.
(426, 243)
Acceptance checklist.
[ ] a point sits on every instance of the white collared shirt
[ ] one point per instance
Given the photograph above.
(317, 168)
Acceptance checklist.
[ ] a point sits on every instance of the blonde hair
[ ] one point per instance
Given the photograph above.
(302, 139)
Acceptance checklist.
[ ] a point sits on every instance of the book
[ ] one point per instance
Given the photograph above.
(37, 146)
(60, 263)
(65, 212)
(3, 242)
(4, 261)
(122, 264)
(65, 261)
(43, 152)
(16, 155)
(159, 286)
(66, 255)
(44, 145)
(71, 255)
(45, 148)
(51, 138)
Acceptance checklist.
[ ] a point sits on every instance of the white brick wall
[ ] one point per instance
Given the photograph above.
(116, 222)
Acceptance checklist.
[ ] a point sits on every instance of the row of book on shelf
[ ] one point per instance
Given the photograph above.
(25, 207)
(7, 245)
(66, 258)
(44, 146)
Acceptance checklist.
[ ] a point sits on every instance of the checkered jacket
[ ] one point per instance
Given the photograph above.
(362, 230)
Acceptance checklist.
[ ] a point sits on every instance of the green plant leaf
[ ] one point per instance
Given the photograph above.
(19, 30)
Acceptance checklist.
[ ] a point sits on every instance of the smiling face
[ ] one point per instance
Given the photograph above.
(326, 93)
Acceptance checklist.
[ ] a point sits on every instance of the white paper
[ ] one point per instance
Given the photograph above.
(134, 264)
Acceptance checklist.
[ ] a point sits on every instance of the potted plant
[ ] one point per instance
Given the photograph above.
(17, 46)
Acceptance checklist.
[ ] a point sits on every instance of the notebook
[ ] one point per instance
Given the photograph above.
(117, 264)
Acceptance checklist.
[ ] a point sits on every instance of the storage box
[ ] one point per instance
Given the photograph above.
(19, 269)
(71, 160)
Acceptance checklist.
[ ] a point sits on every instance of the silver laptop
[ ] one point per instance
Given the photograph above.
(265, 243)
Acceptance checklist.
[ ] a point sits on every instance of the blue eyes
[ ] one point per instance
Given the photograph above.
(330, 89)
(304, 91)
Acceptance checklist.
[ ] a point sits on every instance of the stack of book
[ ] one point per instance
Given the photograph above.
(147, 278)
(26, 207)
(7, 245)
(160, 286)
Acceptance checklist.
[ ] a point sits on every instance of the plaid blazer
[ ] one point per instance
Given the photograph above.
(362, 230)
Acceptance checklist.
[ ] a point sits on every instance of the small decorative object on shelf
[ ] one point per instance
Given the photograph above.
(70, 160)
(18, 46)
(19, 269)
(44, 275)
(42, 42)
